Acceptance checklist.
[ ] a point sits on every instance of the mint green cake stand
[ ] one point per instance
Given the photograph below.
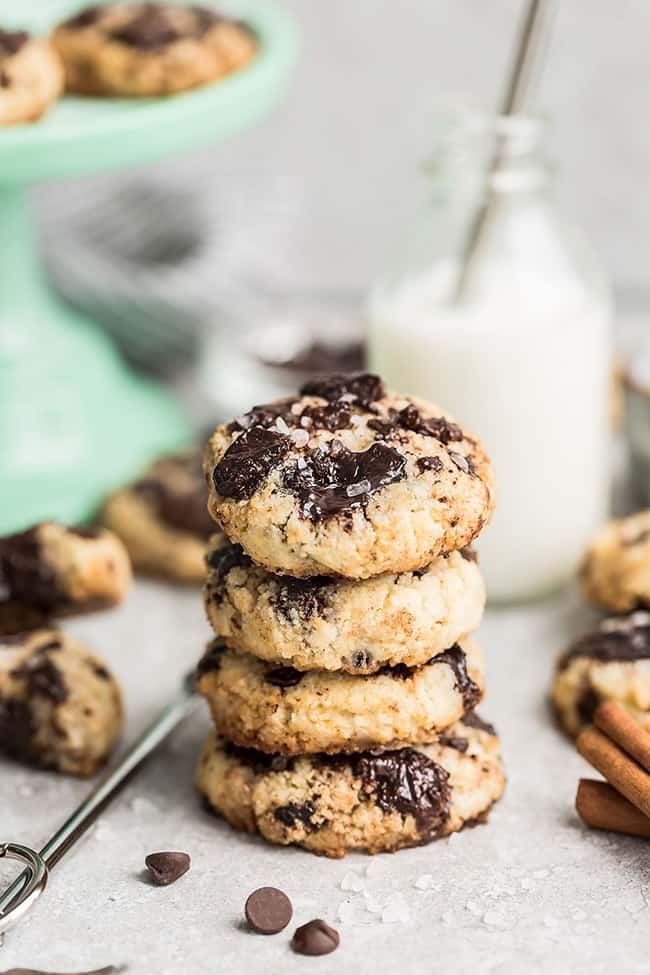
(74, 420)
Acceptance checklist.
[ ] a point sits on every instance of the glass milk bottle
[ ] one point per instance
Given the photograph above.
(522, 359)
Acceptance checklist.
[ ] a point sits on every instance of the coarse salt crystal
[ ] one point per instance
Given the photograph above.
(243, 421)
(306, 422)
(281, 425)
(425, 882)
(354, 490)
(357, 421)
(300, 438)
(352, 881)
(346, 912)
(396, 910)
(373, 904)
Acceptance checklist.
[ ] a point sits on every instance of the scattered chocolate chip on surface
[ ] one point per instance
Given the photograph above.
(165, 868)
(315, 938)
(268, 910)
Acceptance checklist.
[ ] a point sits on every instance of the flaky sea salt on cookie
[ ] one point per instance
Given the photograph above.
(348, 479)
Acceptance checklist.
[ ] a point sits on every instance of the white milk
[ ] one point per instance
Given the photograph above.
(525, 365)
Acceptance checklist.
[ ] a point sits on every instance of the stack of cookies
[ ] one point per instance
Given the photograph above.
(342, 681)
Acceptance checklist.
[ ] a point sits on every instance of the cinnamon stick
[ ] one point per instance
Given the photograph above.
(616, 766)
(602, 807)
(621, 727)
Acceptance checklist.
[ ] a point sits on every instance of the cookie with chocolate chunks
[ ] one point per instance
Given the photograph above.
(286, 711)
(336, 624)
(610, 663)
(51, 570)
(163, 519)
(60, 706)
(371, 800)
(31, 77)
(348, 479)
(145, 49)
(615, 572)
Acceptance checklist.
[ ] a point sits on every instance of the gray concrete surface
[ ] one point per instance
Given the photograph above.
(532, 891)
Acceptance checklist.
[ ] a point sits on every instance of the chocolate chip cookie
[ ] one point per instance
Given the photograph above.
(374, 801)
(334, 624)
(60, 706)
(279, 709)
(145, 49)
(50, 570)
(163, 518)
(31, 77)
(348, 479)
(611, 663)
(616, 569)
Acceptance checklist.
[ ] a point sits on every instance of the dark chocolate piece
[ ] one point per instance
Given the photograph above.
(283, 676)
(265, 415)
(181, 501)
(260, 762)
(222, 560)
(456, 659)
(323, 359)
(268, 910)
(469, 554)
(472, 720)
(25, 576)
(211, 660)
(434, 464)
(149, 30)
(464, 464)
(334, 479)
(453, 741)
(248, 462)
(11, 41)
(295, 812)
(438, 427)
(630, 642)
(408, 782)
(315, 938)
(165, 868)
(587, 704)
(363, 387)
(303, 598)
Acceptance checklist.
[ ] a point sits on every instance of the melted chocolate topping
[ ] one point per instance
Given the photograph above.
(181, 501)
(456, 659)
(11, 41)
(222, 560)
(334, 479)
(472, 720)
(283, 676)
(629, 642)
(25, 576)
(302, 598)
(211, 660)
(408, 782)
(363, 387)
(248, 462)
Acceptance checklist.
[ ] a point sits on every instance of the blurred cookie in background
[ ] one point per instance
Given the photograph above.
(60, 706)
(31, 77)
(163, 519)
(615, 573)
(51, 570)
(146, 49)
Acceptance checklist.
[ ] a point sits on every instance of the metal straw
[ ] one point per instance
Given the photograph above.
(514, 99)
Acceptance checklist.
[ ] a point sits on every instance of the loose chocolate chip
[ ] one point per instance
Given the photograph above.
(248, 462)
(364, 387)
(430, 464)
(315, 938)
(166, 868)
(268, 910)
(283, 676)
(334, 480)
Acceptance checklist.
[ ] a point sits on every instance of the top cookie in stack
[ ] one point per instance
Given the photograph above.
(348, 479)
